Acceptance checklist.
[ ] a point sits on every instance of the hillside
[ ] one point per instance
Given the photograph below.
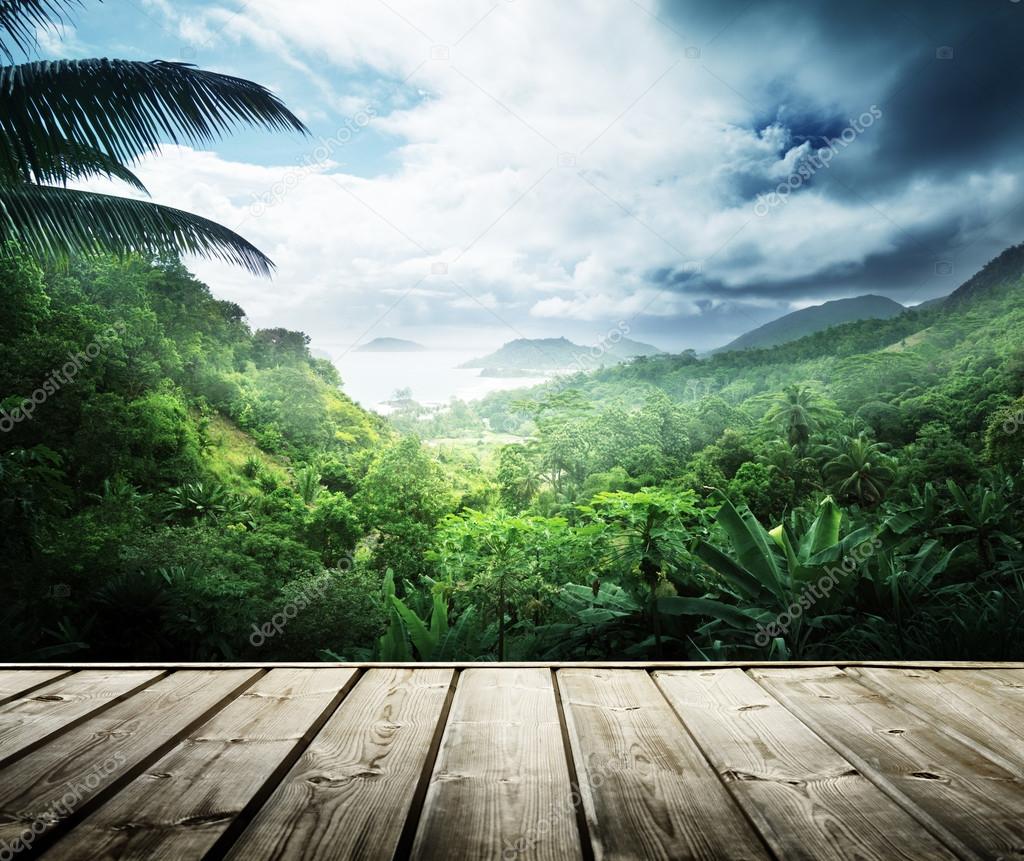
(557, 354)
(1006, 266)
(817, 318)
(390, 345)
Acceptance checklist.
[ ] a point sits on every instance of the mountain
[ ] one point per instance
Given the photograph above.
(559, 354)
(1006, 267)
(807, 321)
(390, 345)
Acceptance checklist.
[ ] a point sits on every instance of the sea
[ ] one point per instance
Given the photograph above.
(434, 376)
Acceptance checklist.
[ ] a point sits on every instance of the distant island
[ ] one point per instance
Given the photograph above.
(816, 318)
(390, 345)
(548, 355)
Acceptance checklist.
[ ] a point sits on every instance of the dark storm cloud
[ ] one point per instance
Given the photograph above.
(948, 78)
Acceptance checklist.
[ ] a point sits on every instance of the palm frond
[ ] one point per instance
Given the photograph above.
(122, 108)
(81, 162)
(53, 223)
(21, 18)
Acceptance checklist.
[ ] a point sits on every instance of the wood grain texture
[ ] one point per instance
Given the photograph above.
(349, 794)
(16, 683)
(973, 805)
(56, 707)
(183, 803)
(500, 787)
(647, 790)
(454, 665)
(60, 780)
(806, 800)
(973, 708)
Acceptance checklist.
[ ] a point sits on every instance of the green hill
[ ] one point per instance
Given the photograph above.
(817, 318)
(559, 354)
(390, 345)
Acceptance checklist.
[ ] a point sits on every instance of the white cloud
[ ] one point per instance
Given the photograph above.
(554, 158)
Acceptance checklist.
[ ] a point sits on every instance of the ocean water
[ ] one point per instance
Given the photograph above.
(433, 375)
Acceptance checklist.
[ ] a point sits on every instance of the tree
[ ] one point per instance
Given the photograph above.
(800, 411)
(68, 120)
(648, 537)
(860, 472)
(505, 563)
(403, 496)
(517, 478)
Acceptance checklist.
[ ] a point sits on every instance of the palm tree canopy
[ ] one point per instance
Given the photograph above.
(861, 471)
(66, 120)
(23, 18)
(122, 108)
(799, 410)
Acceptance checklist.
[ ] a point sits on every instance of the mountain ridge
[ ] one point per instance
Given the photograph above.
(556, 354)
(815, 318)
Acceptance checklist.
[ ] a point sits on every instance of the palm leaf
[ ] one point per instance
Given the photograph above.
(22, 18)
(53, 223)
(123, 108)
(78, 161)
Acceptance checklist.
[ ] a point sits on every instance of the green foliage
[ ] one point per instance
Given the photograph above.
(209, 477)
(67, 120)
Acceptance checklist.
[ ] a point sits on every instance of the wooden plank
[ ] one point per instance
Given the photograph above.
(457, 665)
(804, 798)
(646, 788)
(973, 805)
(17, 683)
(968, 706)
(1010, 679)
(349, 794)
(184, 803)
(27, 722)
(500, 786)
(42, 793)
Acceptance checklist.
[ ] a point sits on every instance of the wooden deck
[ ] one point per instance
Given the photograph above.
(673, 761)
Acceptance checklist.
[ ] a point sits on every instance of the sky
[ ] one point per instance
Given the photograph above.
(483, 170)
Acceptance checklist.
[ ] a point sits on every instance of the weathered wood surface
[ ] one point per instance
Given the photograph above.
(645, 785)
(182, 804)
(501, 783)
(350, 794)
(58, 706)
(804, 797)
(41, 793)
(865, 760)
(16, 683)
(971, 803)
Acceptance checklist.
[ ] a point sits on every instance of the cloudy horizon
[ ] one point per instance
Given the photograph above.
(482, 171)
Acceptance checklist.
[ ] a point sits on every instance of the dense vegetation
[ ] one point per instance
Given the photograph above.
(178, 486)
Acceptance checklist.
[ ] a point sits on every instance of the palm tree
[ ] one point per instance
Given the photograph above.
(67, 120)
(800, 410)
(861, 471)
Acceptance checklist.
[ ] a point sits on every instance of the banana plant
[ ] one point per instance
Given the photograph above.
(433, 639)
(986, 519)
(785, 583)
